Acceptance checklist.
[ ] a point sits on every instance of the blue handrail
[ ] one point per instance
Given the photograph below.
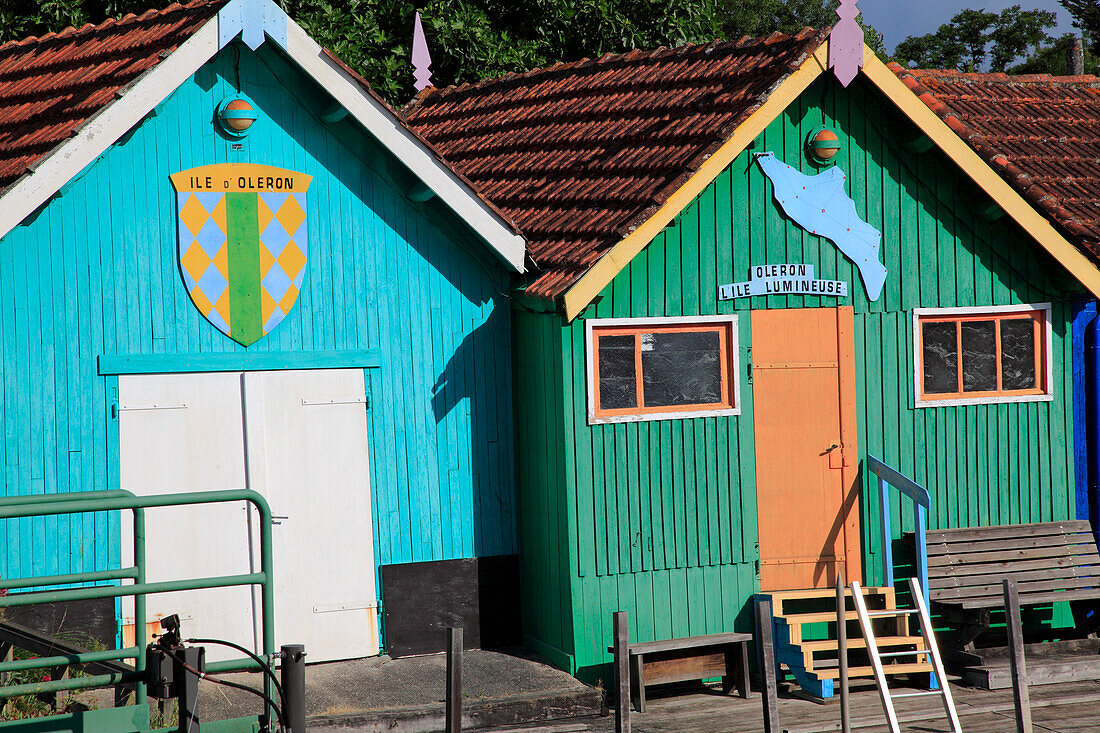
(922, 501)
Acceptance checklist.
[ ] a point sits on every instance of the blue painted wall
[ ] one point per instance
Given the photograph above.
(94, 272)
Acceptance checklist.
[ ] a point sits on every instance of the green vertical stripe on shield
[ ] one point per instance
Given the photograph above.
(243, 223)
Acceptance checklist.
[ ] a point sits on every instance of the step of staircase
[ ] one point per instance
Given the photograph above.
(900, 668)
(860, 643)
(813, 662)
(830, 616)
(787, 602)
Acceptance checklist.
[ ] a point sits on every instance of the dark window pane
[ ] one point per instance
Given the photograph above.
(681, 368)
(1018, 354)
(941, 358)
(618, 384)
(979, 355)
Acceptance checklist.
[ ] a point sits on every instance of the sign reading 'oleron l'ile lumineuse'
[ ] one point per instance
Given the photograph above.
(782, 280)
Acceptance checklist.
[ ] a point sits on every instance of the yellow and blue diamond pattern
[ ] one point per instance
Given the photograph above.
(272, 271)
(204, 254)
(282, 254)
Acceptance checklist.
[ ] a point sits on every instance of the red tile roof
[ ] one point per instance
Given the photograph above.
(580, 154)
(50, 86)
(1040, 132)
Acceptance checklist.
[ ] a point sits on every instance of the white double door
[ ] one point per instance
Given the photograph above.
(299, 438)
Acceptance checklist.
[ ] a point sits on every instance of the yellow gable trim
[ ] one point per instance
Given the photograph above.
(1003, 194)
(585, 290)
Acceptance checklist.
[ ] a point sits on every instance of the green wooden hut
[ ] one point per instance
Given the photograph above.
(749, 278)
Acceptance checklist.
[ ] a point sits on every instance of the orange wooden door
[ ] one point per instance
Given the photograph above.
(803, 387)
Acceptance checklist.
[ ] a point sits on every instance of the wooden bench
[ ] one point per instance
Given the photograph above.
(1050, 561)
(690, 658)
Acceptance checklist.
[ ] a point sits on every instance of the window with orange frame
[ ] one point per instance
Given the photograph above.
(980, 356)
(652, 369)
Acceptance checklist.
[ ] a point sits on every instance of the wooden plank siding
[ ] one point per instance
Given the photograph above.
(544, 514)
(95, 272)
(665, 511)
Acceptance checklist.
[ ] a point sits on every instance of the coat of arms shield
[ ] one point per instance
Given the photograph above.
(242, 244)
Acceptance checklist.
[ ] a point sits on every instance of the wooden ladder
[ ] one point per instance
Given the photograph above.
(931, 650)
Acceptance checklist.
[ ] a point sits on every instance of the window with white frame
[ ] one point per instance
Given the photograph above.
(661, 368)
(982, 355)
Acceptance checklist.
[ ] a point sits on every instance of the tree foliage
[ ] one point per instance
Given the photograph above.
(974, 40)
(1086, 16)
(472, 40)
(1054, 59)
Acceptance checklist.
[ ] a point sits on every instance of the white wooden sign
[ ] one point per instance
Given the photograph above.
(787, 279)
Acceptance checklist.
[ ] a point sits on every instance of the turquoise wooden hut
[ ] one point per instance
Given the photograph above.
(226, 263)
(749, 277)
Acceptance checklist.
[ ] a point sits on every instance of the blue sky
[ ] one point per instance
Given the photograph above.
(896, 19)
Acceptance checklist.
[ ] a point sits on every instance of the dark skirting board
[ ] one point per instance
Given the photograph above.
(422, 599)
(84, 623)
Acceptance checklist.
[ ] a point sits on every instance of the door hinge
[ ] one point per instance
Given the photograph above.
(347, 606)
(365, 401)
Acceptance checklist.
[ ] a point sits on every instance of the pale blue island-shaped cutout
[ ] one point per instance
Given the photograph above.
(820, 205)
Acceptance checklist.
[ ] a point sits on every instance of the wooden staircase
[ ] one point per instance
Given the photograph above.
(804, 628)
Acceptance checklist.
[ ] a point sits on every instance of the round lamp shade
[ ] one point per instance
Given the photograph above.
(823, 145)
(236, 115)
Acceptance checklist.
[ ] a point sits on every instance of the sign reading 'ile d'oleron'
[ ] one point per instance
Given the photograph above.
(242, 244)
(782, 280)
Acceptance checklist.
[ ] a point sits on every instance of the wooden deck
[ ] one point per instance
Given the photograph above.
(1066, 708)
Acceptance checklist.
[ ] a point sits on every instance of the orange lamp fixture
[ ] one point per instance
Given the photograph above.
(822, 145)
(236, 115)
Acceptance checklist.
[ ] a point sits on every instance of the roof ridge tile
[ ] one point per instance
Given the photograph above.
(634, 55)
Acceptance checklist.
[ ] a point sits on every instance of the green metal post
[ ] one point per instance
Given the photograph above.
(141, 692)
(75, 683)
(82, 658)
(116, 591)
(62, 497)
(267, 603)
(91, 577)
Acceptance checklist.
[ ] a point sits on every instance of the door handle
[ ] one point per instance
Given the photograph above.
(837, 459)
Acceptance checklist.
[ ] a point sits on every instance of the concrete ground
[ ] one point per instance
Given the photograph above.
(408, 694)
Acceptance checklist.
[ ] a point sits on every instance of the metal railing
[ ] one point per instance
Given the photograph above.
(888, 476)
(118, 499)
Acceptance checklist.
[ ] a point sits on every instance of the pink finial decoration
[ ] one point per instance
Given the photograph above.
(846, 43)
(422, 60)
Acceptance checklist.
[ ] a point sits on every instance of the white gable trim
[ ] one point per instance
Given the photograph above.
(389, 131)
(112, 122)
